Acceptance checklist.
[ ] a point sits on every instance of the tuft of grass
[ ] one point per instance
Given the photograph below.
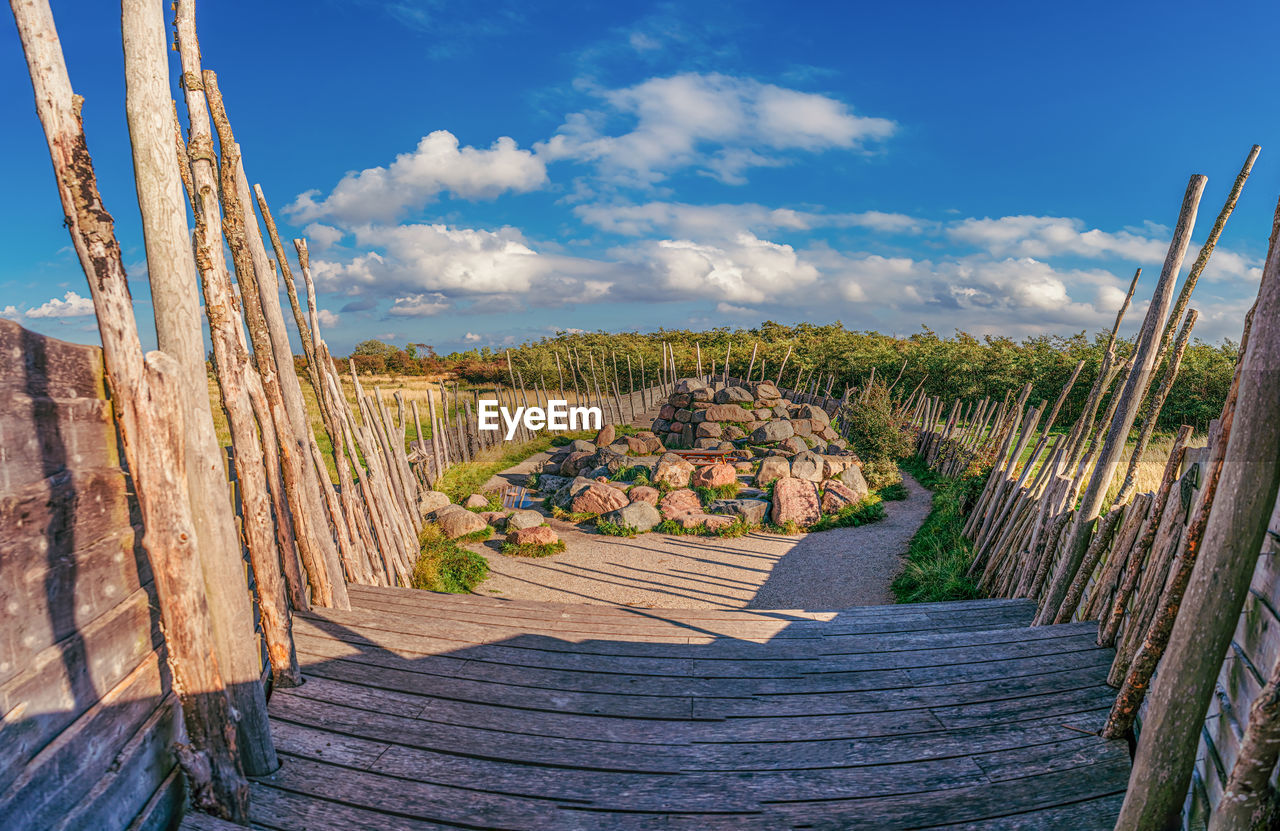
(444, 565)
(881, 473)
(569, 516)
(532, 549)
(893, 493)
(707, 494)
(614, 529)
(939, 554)
(788, 528)
(670, 526)
(739, 528)
(637, 474)
(868, 510)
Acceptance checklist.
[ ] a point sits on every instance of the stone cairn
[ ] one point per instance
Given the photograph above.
(634, 483)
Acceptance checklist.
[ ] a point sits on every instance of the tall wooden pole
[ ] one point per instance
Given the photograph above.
(144, 390)
(1131, 395)
(1232, 538)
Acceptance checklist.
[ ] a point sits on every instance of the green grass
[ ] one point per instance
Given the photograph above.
(569, 516)
(707, 494)
(614, 529)
(639, 474)
(445, 566)
(739, 528)
(893, 493)
(868, 510)
(462, 480)
(532, 549)
(670, 526)
(939, 555)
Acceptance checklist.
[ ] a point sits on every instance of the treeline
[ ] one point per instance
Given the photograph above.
(963, 366)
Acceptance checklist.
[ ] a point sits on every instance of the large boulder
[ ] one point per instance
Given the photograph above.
(641, 516)
(732, 431)
(644, 493)
(679, 502)
(772, 468)
(802, 426)
(672, 470)
(751, 511)
(807, 465)
(609, 459)
(533, 535)
(726, 412)
(597, 498)
(766, 390)
(524, 519)
(456, 521)
(644, 445)
(550, 484)
(687, 386)
(714, 476)
(832, 465)
(475, 502)
(708, 430)
(779, 430)
(564, 495)
(852, 478)
(666, 412)
(576, 462)
(793, 445)
(430, 501)
(498, 519)
(815, 414)
(795, 500)
(581, 446)
(606, 435)
(732, 395)
(683, 416)
(837, 495)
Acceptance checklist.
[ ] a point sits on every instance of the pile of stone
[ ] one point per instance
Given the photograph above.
(471, 516)
(756, 415)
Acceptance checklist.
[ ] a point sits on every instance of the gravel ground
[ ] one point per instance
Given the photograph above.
(827, 570)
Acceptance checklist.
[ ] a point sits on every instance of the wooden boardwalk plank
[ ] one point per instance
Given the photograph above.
(426, 711)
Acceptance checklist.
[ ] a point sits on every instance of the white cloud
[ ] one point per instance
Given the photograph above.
(747, 270)
(1047, 236)
(420, 305)
(437, 165)
(11, 312)
(725, 221)
(71, 305)
(472, 337)
(327, 318)
(323, 236)
(718, 124)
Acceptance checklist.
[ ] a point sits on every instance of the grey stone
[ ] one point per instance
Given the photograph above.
(475, 501)
(456, 521)
(807, 466)
(732, 395)
(772, 469)
(772, 431)
(752, 511)
(551, 484)
(524, 519)
(579, 445)
(429, 501)
(853, 479)
(639, 515)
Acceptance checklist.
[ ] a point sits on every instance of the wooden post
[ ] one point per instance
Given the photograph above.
(309, 522)
(783, 366)
(143, 390)
(1249, 800)
(1130, 397)
(752, 365)
(1248, 475)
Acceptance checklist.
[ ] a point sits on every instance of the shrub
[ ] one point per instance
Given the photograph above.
(877, 429)
(670, 526)
(532, 549)
(444, 565)
(739, 528)
(881, 473)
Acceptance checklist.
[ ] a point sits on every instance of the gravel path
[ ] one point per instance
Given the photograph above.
(827, 570)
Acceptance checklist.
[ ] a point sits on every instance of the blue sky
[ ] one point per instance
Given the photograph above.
(473, 175)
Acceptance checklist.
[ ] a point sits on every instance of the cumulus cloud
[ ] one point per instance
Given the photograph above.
(11, 312)
(747, 270)
(1047, 236)
(71, 305)
(472, 337)
(437, 165)
(717, 124)
(327, 318)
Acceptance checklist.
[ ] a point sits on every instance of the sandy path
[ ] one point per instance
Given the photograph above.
(828, 570)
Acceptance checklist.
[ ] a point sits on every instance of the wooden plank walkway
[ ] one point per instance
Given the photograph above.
(426, 711)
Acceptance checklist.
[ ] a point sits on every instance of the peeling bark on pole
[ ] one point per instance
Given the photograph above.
(1232, 539)
(143, 391)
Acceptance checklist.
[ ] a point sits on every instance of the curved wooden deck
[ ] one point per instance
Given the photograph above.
(435, 711)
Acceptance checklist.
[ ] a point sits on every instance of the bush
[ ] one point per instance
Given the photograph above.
(939, 555)
(881, 473)
(878, 431)
(444, 565)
